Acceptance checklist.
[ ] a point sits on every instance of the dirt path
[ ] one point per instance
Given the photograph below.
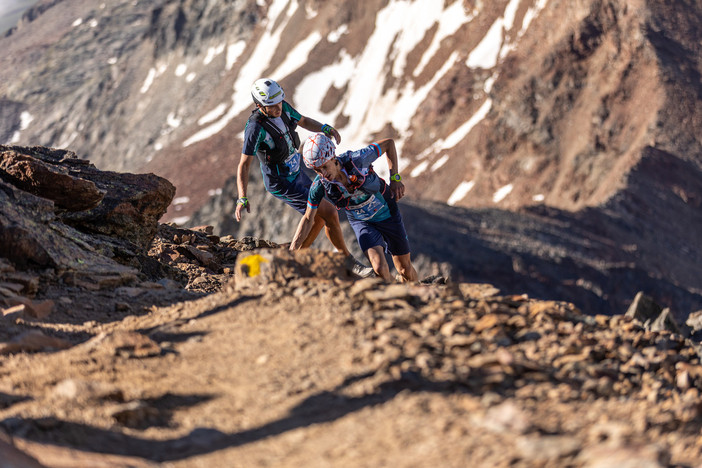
(325, 373)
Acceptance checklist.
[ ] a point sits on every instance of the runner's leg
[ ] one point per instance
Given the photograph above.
(404, 267)
(376, 255)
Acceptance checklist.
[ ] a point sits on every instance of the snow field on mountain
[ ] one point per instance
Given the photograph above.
(369, 107)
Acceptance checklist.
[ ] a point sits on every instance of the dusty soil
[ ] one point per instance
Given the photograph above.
(289, 368)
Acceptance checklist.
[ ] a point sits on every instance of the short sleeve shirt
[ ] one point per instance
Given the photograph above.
(256, 139)
(367, 202)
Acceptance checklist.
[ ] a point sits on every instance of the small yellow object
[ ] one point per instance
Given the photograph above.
(254, 264)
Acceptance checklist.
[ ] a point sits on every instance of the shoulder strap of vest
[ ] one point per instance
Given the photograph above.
(279, 152)
(273, 130)
(290, 123)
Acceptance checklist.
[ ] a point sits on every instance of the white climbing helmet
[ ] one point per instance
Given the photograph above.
(267, 92)
(318, 149)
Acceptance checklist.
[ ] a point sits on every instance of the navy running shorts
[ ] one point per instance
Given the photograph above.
(293, 193)
(389, 234)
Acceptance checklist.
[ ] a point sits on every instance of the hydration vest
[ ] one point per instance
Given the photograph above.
(356, 181)
(279, 152)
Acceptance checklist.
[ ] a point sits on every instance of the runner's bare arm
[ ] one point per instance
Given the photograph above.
(303, 228)
(242, 183)
(387, 146)
(314, 126)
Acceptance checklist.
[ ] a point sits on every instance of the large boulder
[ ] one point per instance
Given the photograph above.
(49, 181)
(60, 212)
(121, 205)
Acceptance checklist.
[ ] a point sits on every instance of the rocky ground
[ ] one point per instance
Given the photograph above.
(265, 358)
(129, 343)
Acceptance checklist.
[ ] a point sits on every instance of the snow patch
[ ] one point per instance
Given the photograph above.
(492, 47)
(502, 193)
(450, 21)
(487, 86)
(310, 11)
(181, 69)
(420, 169)
(77, 22)
(443, 160)
(460, 133)
(191, 76)
(234, 51)
(181, 220)
(212, 115)
(335, 35)
(150, 77)
(411, 21)
(93, 23)
(25, 119)
(460, 192)
(539, 197)
(314, 86)
(531, 14)
(68, 141)
(485, 54)
(173, 121)
(511, 13)
(297, 56)
(181, 200)
(212, 52)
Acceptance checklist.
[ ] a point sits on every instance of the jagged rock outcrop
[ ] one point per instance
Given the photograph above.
(60, 212)
(122, 205)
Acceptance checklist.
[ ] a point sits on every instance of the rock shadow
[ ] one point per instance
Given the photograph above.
(322, 407)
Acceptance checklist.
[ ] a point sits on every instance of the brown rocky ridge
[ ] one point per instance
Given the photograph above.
(165, 346)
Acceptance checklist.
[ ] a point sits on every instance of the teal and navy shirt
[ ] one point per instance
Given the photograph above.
(366, 203)
(255, 136)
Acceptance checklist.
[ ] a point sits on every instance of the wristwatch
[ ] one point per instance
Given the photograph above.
(396, 177)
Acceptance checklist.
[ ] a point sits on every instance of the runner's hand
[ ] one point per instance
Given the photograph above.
(397, 189)
(240, 208)
(330, 131)
(336, 135)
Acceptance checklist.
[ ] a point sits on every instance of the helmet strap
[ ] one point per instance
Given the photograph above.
(261, 109)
